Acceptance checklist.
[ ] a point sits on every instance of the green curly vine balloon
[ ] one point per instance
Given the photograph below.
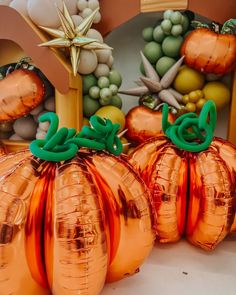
(191, 132)
(63, 144)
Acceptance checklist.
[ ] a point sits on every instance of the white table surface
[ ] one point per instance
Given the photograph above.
(182, 269)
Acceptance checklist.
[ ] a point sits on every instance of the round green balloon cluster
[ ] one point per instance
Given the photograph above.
(191, 132)
(63, 144)
(165, 40)
(101, 91)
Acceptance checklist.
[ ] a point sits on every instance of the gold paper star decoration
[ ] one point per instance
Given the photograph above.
(73, 37)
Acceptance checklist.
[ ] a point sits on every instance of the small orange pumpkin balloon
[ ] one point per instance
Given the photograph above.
(143, 123)
(20, 92)
(211, 52)
(67, 227)
(193, 193)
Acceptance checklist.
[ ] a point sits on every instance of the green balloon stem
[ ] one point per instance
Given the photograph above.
(63, 144)
(202, 128)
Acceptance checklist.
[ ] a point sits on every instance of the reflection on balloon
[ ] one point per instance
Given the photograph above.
(70, 226)
(205, 180)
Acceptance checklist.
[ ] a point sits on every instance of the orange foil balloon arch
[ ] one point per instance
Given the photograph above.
(72, 223)
(192, 180)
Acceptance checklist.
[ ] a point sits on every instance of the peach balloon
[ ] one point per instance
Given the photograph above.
(44, 13)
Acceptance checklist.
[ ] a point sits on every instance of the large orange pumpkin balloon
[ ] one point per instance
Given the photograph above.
(211, 52)
(67, 227)
(194, 193)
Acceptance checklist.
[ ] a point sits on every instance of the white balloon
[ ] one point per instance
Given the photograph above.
(77, 19)
(102, 70)
(88, 62)
(94, 34)
(40, 135)
(82, 4)
(20, 6)
(44, 12)
(25, 127)
(43, 126)
(93, 4)
(15, 137)
(86, 12)
(97, 18)
(110, 61)
(103, 55)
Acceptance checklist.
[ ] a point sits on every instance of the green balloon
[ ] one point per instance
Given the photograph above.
(115, 78)
(153, 52)
(164, 64)
(116, 101)
(158, 34)
(141, 69)
(171, 46)
(90, 106)
(147, 34)
(88, 82)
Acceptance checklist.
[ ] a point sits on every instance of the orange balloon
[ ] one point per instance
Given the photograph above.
(211, 199)
(205, 181)
(20, 92)
(66, 227)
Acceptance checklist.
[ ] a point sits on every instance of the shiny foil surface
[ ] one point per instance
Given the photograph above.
(205, 181)
(212, 200)
(210, 52)
(66, 228)
(164, 169)
(20, 92)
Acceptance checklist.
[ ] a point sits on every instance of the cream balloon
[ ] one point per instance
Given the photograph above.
(103, 55)
(94, 34)
(102, 70)
(25, 127)
(77, 19)
(44, 12)
(20, 6)
(88, 62)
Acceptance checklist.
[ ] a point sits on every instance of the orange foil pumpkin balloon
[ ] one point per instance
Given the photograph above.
(20, 92)
(67, 227)
(210, 52)
(143, 123)
(193, 193)
(2, 150)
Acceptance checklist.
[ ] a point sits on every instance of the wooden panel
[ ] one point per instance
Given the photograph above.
(160, 5)
(69, 107)
(217, 10)
(115, 13)
(232, 119)
(16, 28)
